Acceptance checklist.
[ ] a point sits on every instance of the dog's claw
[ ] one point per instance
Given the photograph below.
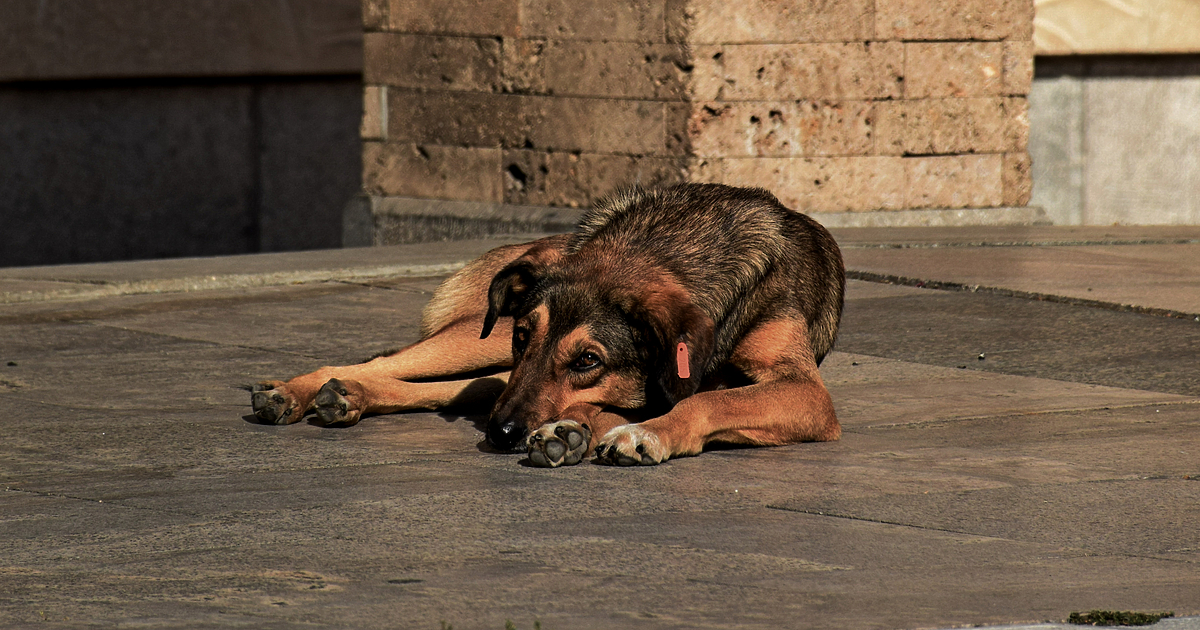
(271, 406)
(332, 407)
(562, 443)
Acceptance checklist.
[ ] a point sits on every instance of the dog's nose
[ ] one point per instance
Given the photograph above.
(506, 436)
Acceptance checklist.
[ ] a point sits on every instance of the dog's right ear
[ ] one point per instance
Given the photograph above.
(510, 286)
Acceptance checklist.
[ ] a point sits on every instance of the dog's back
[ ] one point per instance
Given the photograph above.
(739, 251)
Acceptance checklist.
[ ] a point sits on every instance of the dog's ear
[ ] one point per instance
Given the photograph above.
(509, 287)
(680, 339)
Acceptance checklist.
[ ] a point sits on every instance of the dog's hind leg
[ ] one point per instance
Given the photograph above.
(450, 346)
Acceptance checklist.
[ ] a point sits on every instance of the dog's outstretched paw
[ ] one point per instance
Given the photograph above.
(272, 404)
(333, 406)
(631, 445)
(562, 443)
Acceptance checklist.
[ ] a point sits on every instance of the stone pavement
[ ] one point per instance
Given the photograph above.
(1013, 452)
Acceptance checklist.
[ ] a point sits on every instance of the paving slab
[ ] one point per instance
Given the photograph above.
(1159, 276)
(1056, 475)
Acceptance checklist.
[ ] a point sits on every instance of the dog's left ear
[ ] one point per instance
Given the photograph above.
(681, 339)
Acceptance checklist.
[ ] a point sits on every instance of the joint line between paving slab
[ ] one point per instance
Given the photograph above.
(942, 285)
(1017, 414)
(230, 281)
(994, 243)
(57, 495)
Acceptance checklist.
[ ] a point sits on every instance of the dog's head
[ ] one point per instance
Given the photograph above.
(590, 332)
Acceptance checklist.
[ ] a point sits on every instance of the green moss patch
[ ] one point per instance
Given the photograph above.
(1116, 618)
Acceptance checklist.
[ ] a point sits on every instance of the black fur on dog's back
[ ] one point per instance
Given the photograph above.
(740, 253)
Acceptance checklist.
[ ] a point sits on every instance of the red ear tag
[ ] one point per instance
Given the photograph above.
(681, 360)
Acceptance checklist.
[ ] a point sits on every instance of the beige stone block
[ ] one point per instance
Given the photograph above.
(953, 69)
(573, 180)
(616, 69)
(467, 119)
(432, 172)
(798, 71)
(984, 20)
(942, 126)
(781, 128)
(815, 184)
(630, 21)
(1017, 179)
(775, 21)
(594, 125)
(523, 70)
(1130, 26)
(954, 181)
(432, 62)
(1016, 123)
(1018, 67)
(374, 119)
(455, 17)
(375, 15)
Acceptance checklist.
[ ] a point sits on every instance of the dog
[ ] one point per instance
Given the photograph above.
(671, 319)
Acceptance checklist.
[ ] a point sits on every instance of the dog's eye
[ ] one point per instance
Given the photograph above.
(520, 339)
(586, 361)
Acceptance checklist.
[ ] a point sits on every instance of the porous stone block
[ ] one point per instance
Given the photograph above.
(1018, 67)
(374, 115)
(1017, 179)
(632, 21)
(815, 184)
(798, 71)
(573, 180)
(523, 70)
(456, 118)
(942, 126)
(525, 121)
(455, 17)
(433, 62)
(616, 69)
(953, 69)
(780, 128)
(983, 20)
(437, 172)
(375, 15)
(773, 21)
(954, 181)
(1016, 123)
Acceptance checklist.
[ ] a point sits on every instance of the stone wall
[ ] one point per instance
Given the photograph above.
(845, 108)
(146, 129)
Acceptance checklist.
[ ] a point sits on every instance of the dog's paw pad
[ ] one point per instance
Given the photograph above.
(332, 405)
(562, 443)
(273, 405)
(631, 445)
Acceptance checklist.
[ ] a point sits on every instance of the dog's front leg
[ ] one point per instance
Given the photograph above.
(763, 414)
(566, 441)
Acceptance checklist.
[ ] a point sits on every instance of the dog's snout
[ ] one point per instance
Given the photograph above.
(506, 435)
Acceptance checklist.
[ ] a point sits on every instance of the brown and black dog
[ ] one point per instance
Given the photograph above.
(670, 319)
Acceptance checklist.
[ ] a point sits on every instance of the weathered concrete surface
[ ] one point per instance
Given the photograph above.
(1056, 475)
